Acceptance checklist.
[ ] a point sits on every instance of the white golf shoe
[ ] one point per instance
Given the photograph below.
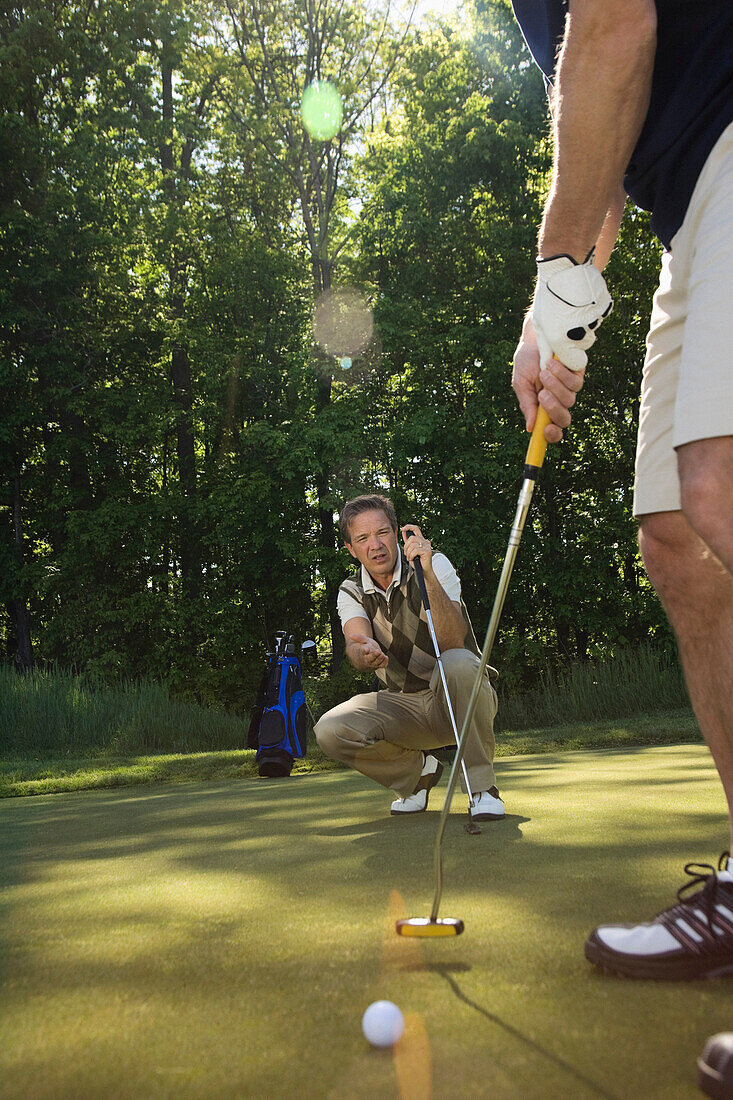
(417, 802)
(487, 806)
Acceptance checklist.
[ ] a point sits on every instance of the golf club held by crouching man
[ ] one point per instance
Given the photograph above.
(404, 620)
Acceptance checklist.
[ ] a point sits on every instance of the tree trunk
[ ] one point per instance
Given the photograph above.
(165, 567)
(190, 547)
(552, 548)
(18, 608)
(188, 520)
(322, 282)
(328, 540)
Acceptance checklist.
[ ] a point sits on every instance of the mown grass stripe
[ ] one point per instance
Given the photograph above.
(52, 773)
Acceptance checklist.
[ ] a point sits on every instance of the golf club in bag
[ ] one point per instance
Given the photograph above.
(453, 926)
(277, 726)
(471, 826)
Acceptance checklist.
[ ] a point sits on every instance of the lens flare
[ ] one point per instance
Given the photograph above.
(343, 323)
(322, 110)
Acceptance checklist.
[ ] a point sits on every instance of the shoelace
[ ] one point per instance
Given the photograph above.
(705, 875)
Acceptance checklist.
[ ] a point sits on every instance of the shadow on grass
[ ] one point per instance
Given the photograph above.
(223, 865)
(446, 970)
(255, 829)
(507, 828)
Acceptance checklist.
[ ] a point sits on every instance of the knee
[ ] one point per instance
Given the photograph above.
(460, 667)
(701, 501)
(671, 552)
(326, 732)
(706, 487)
(459, 662)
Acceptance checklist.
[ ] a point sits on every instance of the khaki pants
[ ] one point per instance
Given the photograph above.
(383, 733)
(687, 388)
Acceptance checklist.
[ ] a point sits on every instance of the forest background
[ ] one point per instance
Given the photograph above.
(184, 271)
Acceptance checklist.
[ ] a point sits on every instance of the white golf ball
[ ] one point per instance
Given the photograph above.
(383, 1024)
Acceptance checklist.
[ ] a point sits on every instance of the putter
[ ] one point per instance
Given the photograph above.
(471, 826)
(425, 927)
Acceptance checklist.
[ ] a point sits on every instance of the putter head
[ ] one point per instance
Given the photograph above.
(425, 928)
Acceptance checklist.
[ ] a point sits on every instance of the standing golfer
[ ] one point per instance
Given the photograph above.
(386, 734)
(641, 95)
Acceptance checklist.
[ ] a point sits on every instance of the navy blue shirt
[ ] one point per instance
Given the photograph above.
(691, 98)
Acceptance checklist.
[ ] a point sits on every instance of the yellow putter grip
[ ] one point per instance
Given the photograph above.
(538, 443)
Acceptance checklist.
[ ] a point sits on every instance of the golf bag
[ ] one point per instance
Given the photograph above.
(277, 727)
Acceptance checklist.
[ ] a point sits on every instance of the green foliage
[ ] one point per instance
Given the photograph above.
(173, 448)
(96, 255)
(639, 681)
(60, 711)
(328, 689)
(453, 184)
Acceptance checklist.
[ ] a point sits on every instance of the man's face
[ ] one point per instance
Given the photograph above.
(374, 544)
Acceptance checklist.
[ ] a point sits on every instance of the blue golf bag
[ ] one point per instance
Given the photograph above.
(278, 724)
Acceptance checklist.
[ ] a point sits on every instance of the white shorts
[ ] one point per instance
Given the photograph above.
(687, 388)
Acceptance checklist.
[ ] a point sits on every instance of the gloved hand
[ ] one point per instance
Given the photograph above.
(570, 301)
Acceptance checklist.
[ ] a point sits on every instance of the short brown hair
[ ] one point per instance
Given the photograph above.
(374, 502)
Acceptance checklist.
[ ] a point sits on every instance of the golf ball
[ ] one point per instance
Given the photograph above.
(383, 1024)
(345, 362)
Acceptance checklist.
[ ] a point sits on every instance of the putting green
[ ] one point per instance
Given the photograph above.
(223, 940)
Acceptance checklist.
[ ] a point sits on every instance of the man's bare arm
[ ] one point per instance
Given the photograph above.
(450, 626)
(364, 652)
(601, 100)
(599, 104)
(611, 226)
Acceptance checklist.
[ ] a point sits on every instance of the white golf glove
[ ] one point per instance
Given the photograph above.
(570, 301)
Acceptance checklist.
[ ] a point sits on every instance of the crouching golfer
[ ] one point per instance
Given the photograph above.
(387, 735)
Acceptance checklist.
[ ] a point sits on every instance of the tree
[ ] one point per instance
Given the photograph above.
(173, 444)
(144, 282)
(453, 190)
(281, 50)
(44, 355)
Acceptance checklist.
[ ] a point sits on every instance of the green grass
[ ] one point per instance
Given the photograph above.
(222, 940)
(60, 711)
(54, 775)
(639, 681)
(673, 728)
(50, 773)
(60, 733)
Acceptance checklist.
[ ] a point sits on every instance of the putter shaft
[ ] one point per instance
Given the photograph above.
(417, 566)
(533, 464)
(452, 716)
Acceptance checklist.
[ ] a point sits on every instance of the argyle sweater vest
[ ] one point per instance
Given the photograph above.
(401, 628)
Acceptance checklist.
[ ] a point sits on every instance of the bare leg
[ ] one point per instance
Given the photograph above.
(689, 558)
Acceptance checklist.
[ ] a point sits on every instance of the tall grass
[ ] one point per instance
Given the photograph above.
(59, 711)
(640, 681)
